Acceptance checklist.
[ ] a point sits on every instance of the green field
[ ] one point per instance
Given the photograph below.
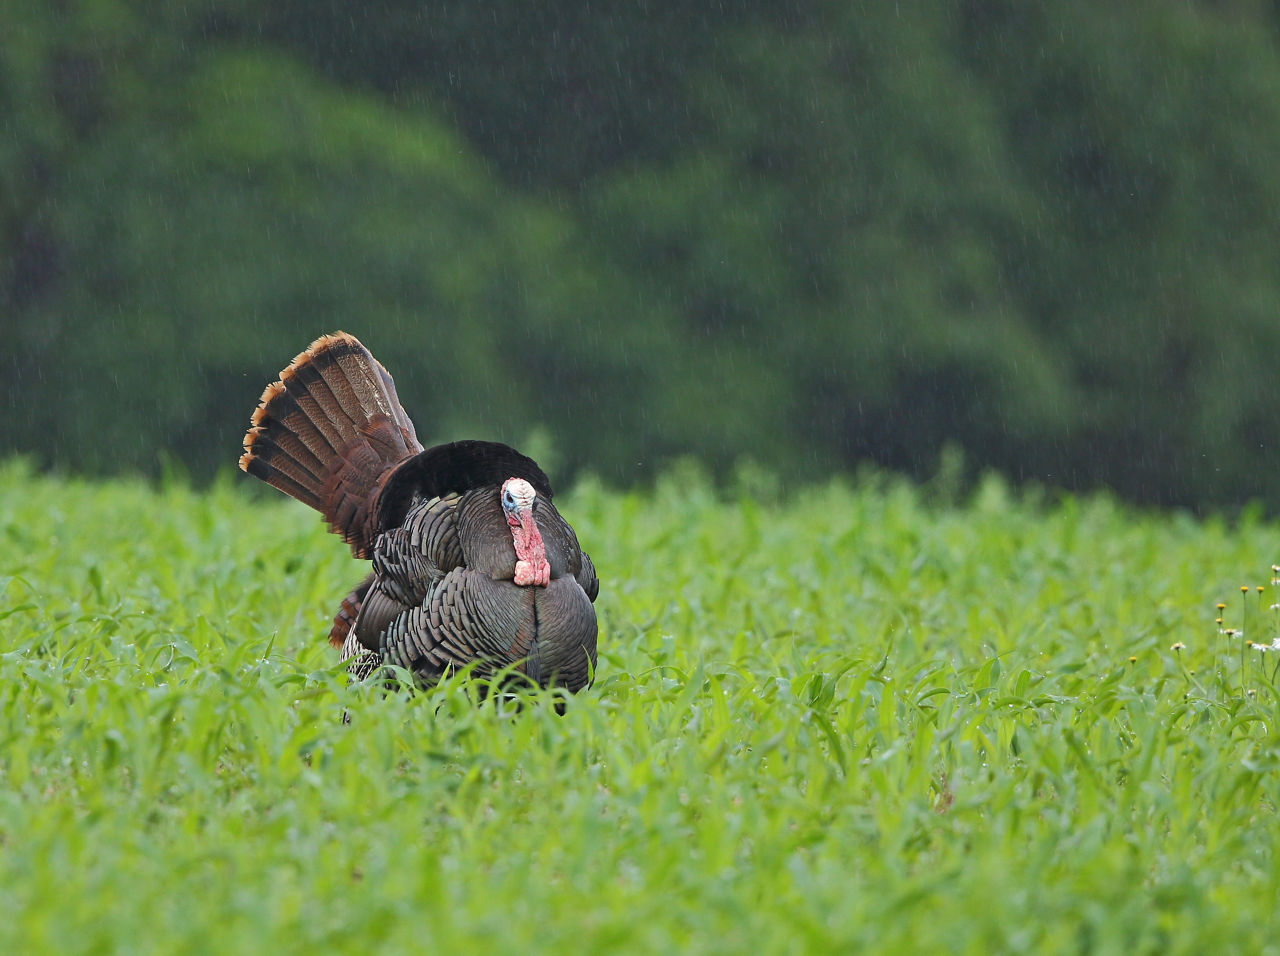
(855, 715)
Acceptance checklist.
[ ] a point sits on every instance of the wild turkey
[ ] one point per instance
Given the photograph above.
(471, 560)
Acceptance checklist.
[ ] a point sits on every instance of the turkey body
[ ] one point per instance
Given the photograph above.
(472, 565)
(442, 595)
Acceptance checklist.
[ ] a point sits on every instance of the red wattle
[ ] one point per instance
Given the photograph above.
(531, 553)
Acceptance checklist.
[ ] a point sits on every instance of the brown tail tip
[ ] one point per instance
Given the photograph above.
(328, 431)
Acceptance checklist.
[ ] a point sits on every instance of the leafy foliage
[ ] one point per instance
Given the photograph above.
(868, 716)
(806, 234)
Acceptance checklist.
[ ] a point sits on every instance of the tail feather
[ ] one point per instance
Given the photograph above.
(279, 412)
(355, 382)
(349, 611)
(313, 398)
(402, 419)
(329, 432)
(286, 469)
(290, 453)
(258, 467)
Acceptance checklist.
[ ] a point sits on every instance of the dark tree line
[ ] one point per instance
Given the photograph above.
(809, 234)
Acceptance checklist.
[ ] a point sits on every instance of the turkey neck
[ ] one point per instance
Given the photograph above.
(527, 538)
(491, 545)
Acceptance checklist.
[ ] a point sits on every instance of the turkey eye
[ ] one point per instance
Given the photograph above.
(508, 500)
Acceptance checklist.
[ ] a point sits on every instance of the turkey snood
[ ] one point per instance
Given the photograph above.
(531, 555)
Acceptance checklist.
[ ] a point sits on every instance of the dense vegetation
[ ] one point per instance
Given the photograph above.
(805, 233)
(868, 716)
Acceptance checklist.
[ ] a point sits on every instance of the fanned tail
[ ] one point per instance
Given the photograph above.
(329, 433)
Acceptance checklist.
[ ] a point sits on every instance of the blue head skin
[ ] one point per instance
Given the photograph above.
(531, 555)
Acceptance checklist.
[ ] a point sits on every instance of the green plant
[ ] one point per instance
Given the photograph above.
(848, 717)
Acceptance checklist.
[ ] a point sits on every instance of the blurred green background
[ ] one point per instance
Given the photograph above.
(807, 234)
